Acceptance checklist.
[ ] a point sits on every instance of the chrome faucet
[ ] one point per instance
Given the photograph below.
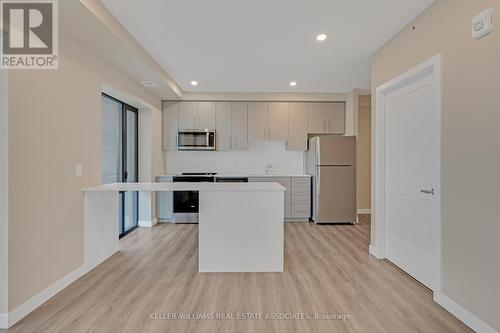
(268, 167)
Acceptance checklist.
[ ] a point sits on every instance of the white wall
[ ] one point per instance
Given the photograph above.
(4, 190)
(250, 161)
(470, 139)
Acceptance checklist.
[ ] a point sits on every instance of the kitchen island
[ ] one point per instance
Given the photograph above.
(241, 226)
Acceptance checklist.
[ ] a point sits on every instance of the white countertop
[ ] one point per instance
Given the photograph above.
(159, 187)
(251, 175)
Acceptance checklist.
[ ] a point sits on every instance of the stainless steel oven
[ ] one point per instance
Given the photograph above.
(196, 139)
(186, 203)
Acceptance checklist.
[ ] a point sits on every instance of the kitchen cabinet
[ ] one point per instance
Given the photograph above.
(239, 125)
(257, 121)
(316, 118)
(335, 118)
(197, 115)
(301, 198)
(283, 181)
(206, 115)
(278, 121)
(170, 125)
(297, 126)
(326, 118)
(231, 125)
(223, 128)
(188, 115)
(297, 195)
(268, 121)
(164, 201)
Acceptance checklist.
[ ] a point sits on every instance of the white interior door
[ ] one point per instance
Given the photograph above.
(412, 166)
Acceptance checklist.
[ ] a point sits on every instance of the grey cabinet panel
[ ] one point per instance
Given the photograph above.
(164, 202)
(170, 125)
(283, 181)
(335, 117)
(224, 139)
(239, 125)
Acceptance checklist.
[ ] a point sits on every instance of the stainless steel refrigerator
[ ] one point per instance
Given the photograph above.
(331, 161)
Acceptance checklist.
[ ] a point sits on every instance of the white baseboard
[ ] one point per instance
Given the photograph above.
(374, 252)
(27, 307)
(4, 321)
(364, 211)
(148, 224)
(465, 316)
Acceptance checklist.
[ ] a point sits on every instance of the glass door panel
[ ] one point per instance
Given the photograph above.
(119, 156)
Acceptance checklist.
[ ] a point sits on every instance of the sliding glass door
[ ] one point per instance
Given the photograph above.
(119, 148)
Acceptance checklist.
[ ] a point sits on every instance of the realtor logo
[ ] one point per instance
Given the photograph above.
(30, 32)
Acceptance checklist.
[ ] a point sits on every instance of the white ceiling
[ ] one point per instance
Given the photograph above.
(262, 45)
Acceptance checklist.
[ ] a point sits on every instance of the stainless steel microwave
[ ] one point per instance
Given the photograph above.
(196, 139)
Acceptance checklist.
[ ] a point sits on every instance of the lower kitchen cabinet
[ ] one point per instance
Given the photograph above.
(164, 201)
(297, 196)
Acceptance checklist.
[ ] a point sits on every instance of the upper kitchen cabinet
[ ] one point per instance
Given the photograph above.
(239, 127)
(297, 126)
(267, 121)
(197, 115)
(335, 118)
(170, 125)
(231, 125)
(206, 115)
(223, 129)
(326, 118)
(258, 121)
(278, 121)
(316, 118)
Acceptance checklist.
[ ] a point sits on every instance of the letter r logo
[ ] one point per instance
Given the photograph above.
(27, 27)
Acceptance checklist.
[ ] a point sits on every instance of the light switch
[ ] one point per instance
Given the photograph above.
(482, 24)
(79, 170)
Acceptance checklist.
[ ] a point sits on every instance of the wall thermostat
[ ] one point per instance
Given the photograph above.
(482, 24)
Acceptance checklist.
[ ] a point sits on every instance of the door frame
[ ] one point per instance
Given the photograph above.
(430, 68)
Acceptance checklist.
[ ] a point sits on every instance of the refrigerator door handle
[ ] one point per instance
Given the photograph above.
(318, 152)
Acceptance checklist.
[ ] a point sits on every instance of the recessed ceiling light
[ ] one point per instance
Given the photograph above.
(293, 84)
(194, 83)
(148, 83)
(321, 37)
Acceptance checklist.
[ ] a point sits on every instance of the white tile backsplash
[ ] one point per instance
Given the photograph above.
(251, 161)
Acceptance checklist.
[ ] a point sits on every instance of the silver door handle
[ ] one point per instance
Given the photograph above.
(431, 192)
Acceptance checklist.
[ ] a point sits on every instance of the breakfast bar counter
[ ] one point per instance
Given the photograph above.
(241, 225)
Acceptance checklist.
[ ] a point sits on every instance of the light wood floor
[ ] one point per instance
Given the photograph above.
(328, 270)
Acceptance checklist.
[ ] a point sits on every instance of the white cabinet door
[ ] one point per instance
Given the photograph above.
(188, 115)
(239, 125)
(316, 118)
(278, 121)
(170, 125)
(335, 118)
(206, 115)
(223, 131)
(297, 131)
(257, 121)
